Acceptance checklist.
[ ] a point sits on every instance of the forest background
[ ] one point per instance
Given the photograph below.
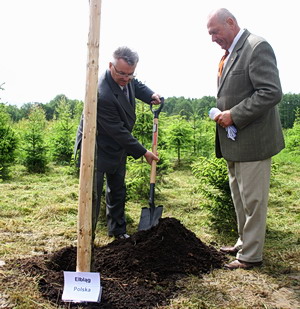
(37, 134)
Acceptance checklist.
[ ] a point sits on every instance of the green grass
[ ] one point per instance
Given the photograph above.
(38, 214)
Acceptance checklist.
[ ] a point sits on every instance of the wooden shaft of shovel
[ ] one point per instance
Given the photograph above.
(84, 225)
(154, 150)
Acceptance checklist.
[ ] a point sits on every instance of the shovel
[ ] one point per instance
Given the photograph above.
(150, 216)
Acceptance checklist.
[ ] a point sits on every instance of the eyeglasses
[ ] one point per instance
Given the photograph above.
(120, 73)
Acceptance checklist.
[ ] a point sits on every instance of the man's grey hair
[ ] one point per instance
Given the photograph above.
(222, 15)
(125, 53)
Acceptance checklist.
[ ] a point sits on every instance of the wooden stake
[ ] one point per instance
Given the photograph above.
(84, 226)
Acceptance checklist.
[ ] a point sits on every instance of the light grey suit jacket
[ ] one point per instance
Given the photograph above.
(250, 88)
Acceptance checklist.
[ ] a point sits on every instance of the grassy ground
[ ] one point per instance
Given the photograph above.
(38, 213)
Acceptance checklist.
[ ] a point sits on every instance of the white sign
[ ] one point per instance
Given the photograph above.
(81, 287)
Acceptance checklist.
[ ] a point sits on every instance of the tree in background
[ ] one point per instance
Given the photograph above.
(187, 107)
(202, 127)
(1, 88)
(33, 141)
(204, 137)
(173, 106)
(14, 112)
(293, 136)
(63, 133)
(179, 135)
(194, 116)
(8, 143)
(184, 127)
(144, 124)
(51, 108)
(19, 113)
(26, 109)
(287, 109)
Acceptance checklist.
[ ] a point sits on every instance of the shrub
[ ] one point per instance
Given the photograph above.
(138, 176)
(292, 136)
(137, 179)
(63, 134)
(34, 145)
(179, 136)
(8, 144)
(214, 185)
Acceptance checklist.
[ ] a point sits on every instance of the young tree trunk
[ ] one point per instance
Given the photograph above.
(84, 226)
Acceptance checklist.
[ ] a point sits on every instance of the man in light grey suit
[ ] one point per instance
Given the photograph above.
(248, 91)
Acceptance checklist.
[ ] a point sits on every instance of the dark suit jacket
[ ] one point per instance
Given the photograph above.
(115, 121)
(250, 88)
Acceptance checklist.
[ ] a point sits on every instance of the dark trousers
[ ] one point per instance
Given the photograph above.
(115, 199)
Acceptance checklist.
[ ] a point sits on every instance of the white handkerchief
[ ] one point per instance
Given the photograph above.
(231, 130)
(213, 113)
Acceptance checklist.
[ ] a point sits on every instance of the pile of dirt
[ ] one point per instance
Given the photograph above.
(139, 272)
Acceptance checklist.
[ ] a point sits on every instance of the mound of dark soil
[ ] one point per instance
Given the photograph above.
(139, 272)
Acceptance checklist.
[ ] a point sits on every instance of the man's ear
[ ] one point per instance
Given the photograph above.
(230, 21)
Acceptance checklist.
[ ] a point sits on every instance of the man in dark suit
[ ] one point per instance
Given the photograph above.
(248, 91)
(114, 142)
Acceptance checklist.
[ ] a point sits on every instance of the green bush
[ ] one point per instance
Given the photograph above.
(138, 176)
(33, 141)
(144, 124)
(137, 179)
(8, 143)
(293, 136)
(214, 185)
(179, 136)
(63, 134)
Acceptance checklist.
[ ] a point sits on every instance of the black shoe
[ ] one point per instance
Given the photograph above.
(122, 236)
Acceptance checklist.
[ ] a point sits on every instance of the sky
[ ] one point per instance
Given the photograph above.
(43, 49)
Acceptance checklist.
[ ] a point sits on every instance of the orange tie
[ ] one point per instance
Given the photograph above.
(221, 64)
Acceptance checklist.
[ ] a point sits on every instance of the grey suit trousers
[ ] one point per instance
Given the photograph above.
(250, 184)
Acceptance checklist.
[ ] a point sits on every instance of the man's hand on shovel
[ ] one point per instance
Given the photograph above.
(150, 156)
(155, 99)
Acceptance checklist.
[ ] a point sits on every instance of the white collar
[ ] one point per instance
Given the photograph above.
(237, 37)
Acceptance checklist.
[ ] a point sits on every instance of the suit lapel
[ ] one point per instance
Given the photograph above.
(120, 96)
(233, 57)
(131, 94)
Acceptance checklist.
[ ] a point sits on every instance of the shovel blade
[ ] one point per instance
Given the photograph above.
(150, 217)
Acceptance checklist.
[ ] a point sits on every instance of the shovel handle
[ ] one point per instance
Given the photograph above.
(154, 150)
(157, 111)
(151, 195)
(153, 164)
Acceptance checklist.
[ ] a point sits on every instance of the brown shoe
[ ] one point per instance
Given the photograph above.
(229, 250)
(242, 264)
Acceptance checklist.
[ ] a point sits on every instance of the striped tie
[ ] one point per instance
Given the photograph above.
(221, 64)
